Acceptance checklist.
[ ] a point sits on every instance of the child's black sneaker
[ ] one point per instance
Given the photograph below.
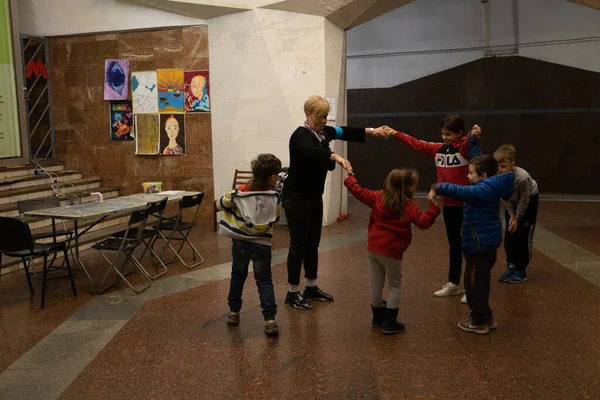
(295, 299)
(314, 293)
(271, 328)
(233, 319)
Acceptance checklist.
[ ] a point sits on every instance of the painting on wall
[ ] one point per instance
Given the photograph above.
(170, 90)
(116, 79)
(121, 120)
(147, 134)
(197, 91)
(144, 89)
(172, 134)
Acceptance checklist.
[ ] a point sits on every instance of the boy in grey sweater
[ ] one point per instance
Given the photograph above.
(521, 215)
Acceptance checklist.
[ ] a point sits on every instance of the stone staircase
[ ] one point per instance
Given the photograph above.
(20, 183)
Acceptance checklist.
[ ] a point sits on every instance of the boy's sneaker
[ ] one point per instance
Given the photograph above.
(449, 289)
(233, 319)
(468, 326)
(507, 274)
(518, 277)
(464, 299)
(492, 324)
(271, 328)
(295, 299)
(314, 293)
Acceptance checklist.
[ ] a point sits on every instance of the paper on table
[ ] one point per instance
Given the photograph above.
(171, 192)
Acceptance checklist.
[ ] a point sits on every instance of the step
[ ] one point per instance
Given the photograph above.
(37, 192)
(12, 210)
(20, 170)
(17, 182)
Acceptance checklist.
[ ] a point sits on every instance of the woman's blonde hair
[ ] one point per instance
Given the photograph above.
(316, 105)
(397, 188)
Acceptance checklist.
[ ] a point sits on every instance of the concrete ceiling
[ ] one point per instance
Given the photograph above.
(588, 3)
(195, 8)
(344, 13)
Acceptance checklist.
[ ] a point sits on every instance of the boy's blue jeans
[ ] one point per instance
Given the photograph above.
(243, 252)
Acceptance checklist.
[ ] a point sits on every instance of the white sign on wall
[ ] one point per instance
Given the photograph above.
(332, 109)
(10, 136)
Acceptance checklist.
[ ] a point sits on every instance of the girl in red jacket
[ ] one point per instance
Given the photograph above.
(393, 210)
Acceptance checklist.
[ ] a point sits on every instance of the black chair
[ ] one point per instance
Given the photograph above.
(183, 228)
(16, 241)
(39, 204)
(125, 246)
(156, 210)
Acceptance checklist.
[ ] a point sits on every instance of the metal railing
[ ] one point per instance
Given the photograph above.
(36, 60)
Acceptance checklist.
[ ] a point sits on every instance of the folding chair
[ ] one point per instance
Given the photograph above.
(178, 225)
(156, 210)
(125, 246)
(16, 241)
(39, 204)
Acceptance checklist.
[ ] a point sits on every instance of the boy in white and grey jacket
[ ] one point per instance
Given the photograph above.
(521, 216)
(251, 213)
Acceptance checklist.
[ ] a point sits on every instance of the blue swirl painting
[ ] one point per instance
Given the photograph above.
(116, 79)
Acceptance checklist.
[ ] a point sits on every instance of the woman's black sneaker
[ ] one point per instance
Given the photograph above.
(295, 299)
(314, 293)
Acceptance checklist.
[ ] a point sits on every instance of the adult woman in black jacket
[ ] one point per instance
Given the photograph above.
(310, 160)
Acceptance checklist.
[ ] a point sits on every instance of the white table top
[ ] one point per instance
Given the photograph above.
(116, 205)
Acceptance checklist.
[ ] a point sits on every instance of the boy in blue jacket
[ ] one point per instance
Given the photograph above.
(481, 234)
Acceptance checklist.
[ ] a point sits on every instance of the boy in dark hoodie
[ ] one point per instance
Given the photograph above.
(481, 234)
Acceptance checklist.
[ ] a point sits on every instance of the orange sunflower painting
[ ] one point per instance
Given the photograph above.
(170, 90)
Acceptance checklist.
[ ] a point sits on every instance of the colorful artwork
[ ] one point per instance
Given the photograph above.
(170, 90)
(116, 79)
(121, 120)
(196, 91)
(144, 90)
(172, 134)
(147, 134)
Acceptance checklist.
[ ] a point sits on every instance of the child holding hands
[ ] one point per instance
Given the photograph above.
(394, 210)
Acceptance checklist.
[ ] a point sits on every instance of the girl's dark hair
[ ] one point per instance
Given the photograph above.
(263, 167)
(396, 188)
(453, 123)
(485, 164)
